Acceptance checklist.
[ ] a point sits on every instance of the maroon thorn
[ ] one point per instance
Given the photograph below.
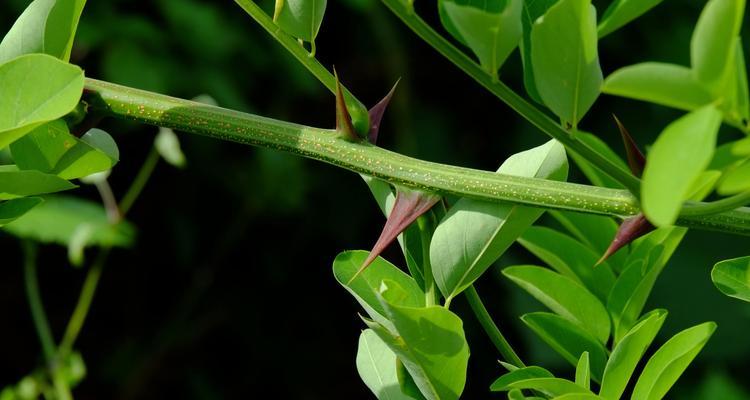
(376, 113)
(636, 159)
(630, 230)
(343, 118)
(409, 205)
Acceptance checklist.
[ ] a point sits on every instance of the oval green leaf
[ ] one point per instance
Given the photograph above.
(300, 18)
(670, 361)
(565, 59)
(628, 353)
(736, 179)
(376, 364)
(713, 41)
(679, 155)
(732, 277)
(583, 371)
(531, 11)
(659, 83)
(475, 233)
(550, 386)
(491, 29)
(46, 26)
(520, 374)
(15, 183)
(13, 209)
(36, 89)
(564, 296)
(568, 339)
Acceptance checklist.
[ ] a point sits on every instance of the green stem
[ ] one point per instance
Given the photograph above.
(492, 331)
(714, 207)
(509, 97)
(84, 304)
(35, 302)
(432, 295)
(140, 181)
(361, 157)
(295, 49)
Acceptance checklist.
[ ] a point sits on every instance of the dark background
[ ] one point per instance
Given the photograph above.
(228, 292)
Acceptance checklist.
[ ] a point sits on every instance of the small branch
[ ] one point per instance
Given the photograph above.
(144, 174)
(492, 331)
(718, 206)
(508, 96)
(325, 145)
(35, 302)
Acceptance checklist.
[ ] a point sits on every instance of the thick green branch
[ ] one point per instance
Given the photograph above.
(325, 145)
(406, 13)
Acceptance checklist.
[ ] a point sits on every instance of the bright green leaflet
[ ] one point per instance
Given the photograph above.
(739, 104)
(660, 83)
(732, 277)
(300, 18)
(570, 258)
(713, 41)
(549, 386)
(670, 361)
(59, 218)
(583, 371)
(621, 12)
(565, 59)
(13, 209)
(628, 352)
(365, 288)
(564, 296)
(15, 183)
(429, 341)
(519, 374)
(475, 233)
(36, 89)
(406, 382)
(679, 155)
(51, 148)
(568, 339)
(633, 286)
(532, 9)
(735, 179)
(376, 364)
(490, 32)
(46, 26)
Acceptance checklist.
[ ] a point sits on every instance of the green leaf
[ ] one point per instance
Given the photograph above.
(633, 286)
(168, 146)
(565, 59)
(670, 361)
(736, 179)
(628, 353)
(621, 12)
(583, 371)
(520, 374)
(713, 41)
(570, 258)
(594, 231)
(666, 84)
(406, 382)
(51, 148)
(679, 155)
(491, 29)
(15, 183)
(739, 100)
(568, 339)
(429, 341)
(59, 218)
(732, 277)
(475, 233)
(36, 89)
(578, 396)
(532, 9)
(300, 18)
(564, 296)
(550, 386)
(46, 26)
(376, 364)
(13, 209)
(365, 288)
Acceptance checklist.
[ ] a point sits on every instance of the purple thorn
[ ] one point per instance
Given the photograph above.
(636, 159)
(343, 118)
(630, 230)
(409, 205)
(377, 111)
